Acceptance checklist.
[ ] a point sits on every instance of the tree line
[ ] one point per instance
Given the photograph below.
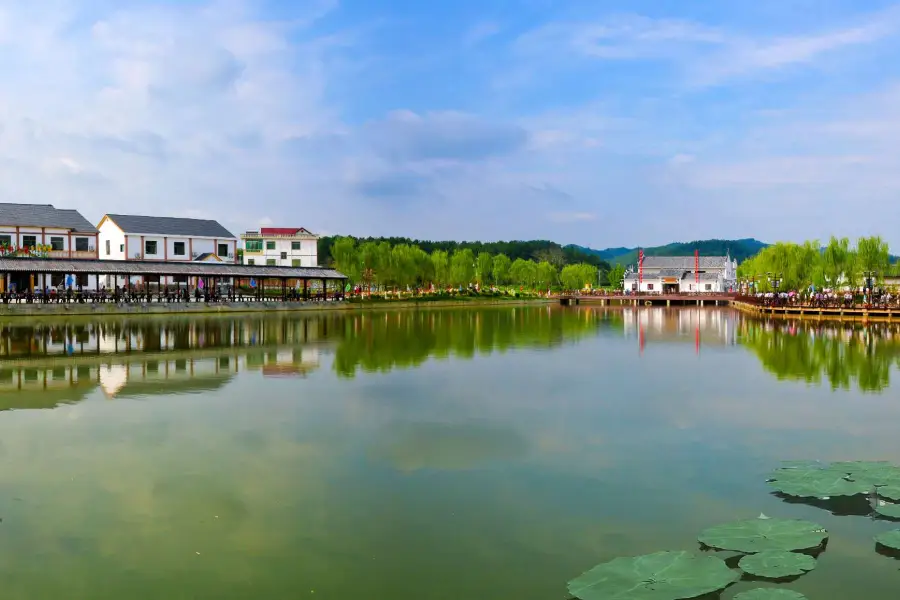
(836, 264)
(378, 264)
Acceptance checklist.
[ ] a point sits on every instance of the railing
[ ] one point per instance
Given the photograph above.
(72, 254)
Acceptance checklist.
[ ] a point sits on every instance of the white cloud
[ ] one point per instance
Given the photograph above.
(706, 55)
(172, 109)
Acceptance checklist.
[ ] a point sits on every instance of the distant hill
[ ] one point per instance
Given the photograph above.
(739, 249)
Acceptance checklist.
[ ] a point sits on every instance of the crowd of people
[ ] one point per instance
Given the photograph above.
(828, 298)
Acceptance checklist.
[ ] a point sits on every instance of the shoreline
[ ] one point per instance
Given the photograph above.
(13, 311)
(861, 315)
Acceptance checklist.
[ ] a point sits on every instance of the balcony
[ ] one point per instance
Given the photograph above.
(84, 254)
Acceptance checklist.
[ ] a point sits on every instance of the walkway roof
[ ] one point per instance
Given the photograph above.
(138, 267)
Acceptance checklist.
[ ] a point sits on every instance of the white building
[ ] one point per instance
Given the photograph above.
(24, 227)
(281, 247)
(678, 275)
(167, 239)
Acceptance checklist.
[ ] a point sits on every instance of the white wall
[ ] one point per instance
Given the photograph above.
(110, 232)
(307, 254)
(165, 247)
(44, 235)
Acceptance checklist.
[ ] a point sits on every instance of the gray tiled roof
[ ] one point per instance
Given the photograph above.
(170, 226)
(703, 276)
(686, 263)
(139, 267)
(43, 215)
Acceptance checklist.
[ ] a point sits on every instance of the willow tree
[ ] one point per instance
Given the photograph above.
(462, 267)
(484, 265)
(873, 255)
(615, 277)
(346, 258)
(523, 272)
(500, 269)
(440, 262)
(575, 277)
(545, 274)
(837, 261)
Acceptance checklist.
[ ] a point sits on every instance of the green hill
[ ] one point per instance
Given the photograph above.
(739, 249)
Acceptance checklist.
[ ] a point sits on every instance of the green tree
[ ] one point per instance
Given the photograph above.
(440, 262)
(404, 267)
(836, 260)
(872, 255)
(462, 267)
(485, 265)
(500, 269)
(346, 258)
(575, 277)
(615, 276)
(545, 275)
(523, 272)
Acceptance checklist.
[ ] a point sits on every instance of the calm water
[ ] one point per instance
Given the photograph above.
(433, 455)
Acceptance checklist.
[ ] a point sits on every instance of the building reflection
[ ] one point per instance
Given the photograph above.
(704, 326)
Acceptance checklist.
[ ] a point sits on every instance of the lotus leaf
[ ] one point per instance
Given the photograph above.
(770, 594)
(817, 483)
(890, 539)
(658, 576)
(888, 476)
(776, 564)
(859, 466)
(887, 509)
(758, 535)
(891, 492)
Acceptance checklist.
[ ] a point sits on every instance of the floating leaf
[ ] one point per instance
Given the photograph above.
(770, 594)
(658, 576)
(890, 539)
(775, 564)
(859, 466)
(758, 535)
(886, 509)
(891, 492)
(817, 483)
(886, 476)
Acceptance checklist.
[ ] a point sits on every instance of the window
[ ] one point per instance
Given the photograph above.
(270, 262)
(270, 245)
(121, 248)
(81, 245)
(296, 246)
(251, 261)
(5, 240)
(178, 248)
(29, 241)
(649, 286)
(107, 248)
(57, 243)
(253, 245)
(82, 279)
(150, 247)
(284, 256)
(296, 263)
(223, 250)
(708, 287)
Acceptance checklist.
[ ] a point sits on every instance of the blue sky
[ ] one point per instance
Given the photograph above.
(599, 123)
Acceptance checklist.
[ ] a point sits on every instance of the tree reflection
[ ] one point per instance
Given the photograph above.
(842, 354)
(381, 342)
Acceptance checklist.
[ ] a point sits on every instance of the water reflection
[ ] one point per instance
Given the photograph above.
(45, 363)
(843, 354)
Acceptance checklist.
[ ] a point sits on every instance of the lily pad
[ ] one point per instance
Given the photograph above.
(889, 539)
(759, 535)
(770, 594)
(775, 564)
(888, 509)
(859, 466)
(817, 483)
(891, 492)
(658, 576)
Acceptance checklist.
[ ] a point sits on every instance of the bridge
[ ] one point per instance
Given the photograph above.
(715, 299)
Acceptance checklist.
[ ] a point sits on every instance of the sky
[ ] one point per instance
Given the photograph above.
(615, 123)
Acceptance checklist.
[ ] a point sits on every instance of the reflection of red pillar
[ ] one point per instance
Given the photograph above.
(641, 338)
(697, 339)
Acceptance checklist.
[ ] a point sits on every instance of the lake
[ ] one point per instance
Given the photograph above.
(488, 454)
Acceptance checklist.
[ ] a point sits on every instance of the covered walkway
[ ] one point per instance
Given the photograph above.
(74, 280)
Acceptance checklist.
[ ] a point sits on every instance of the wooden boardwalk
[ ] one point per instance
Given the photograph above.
(812, 312)
(649, 300)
